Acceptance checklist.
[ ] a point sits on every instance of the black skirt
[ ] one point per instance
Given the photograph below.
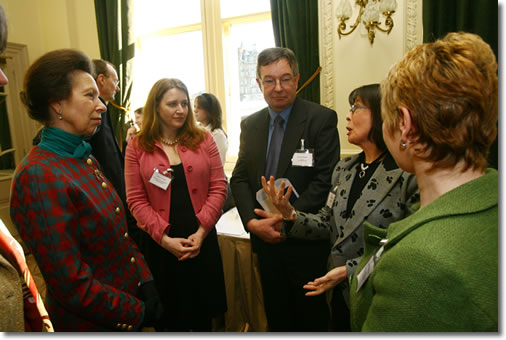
(193, 290)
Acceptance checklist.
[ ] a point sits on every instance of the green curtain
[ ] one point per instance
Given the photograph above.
(475, 16)
(295, 24)
(117, 45)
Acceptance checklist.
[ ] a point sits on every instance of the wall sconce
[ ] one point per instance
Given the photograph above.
(369, 15)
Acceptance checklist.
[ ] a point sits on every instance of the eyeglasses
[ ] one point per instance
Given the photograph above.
(283, 82)
(115, 82)
(354, 108)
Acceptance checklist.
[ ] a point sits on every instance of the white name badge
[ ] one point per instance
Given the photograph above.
(330, 200)
(160, 180)
(368, 268)
(332, 197)
(302, 158)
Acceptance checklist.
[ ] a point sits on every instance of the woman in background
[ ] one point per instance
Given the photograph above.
(436, 270)
(207, 110)
(69, 214)
(208, 113)
(136, 126)
(368, 186)
(176, 188)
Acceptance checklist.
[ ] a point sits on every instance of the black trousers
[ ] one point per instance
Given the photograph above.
(284, 269)
(340, 312)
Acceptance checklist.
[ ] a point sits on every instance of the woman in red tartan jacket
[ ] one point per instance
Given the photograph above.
(69, 214)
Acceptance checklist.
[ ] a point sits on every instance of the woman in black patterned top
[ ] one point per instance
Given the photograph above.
(368, 186)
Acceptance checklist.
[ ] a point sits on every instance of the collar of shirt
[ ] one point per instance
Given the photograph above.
(207, 127)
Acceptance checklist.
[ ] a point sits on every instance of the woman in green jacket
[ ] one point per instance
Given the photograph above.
(436, 270)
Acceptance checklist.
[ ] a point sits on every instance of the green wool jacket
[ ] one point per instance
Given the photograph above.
(438, 271)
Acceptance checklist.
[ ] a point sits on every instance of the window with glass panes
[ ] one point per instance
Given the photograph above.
(211, 45)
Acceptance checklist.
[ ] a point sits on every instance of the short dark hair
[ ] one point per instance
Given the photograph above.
(371, 97)
(211, 104)
(3, 29)
(50, 79)
(270, 55)
(101, 67)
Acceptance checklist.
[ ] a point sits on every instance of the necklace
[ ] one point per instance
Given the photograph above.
(168, 142)
(364, 166)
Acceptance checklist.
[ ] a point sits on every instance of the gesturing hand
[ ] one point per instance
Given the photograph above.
(280, 201)
(326, 282)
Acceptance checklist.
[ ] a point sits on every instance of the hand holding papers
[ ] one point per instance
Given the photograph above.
(230, 224)
(265, 195)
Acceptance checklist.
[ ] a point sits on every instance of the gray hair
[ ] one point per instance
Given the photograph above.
(270, 55)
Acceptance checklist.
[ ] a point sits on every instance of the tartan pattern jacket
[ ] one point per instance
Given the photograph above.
(71, 218)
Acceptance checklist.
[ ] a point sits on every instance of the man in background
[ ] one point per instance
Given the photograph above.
(269, 139)
(105, 147)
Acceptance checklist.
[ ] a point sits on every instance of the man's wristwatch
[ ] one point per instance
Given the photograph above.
(292, 217)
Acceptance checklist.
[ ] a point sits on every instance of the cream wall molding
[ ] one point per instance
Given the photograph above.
(413, 23)
(409, 22)
(328, 30)
(326, 50)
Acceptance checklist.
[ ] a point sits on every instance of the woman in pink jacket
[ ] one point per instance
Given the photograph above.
(176, 189)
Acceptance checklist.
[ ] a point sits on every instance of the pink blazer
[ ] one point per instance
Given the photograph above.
(150, 205)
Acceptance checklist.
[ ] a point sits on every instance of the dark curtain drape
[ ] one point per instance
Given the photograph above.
(295, 24)
(117, 45)
(475, 16)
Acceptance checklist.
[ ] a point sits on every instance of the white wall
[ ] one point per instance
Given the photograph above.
(351, 61)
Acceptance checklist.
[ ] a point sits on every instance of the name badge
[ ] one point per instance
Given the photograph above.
(369, 267)
(160, 180)
(303, 157)
(332, 197)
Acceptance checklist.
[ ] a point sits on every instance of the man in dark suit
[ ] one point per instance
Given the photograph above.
(286, 264)
(105, 146)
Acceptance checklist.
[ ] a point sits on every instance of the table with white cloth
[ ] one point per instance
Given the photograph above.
(242, 277)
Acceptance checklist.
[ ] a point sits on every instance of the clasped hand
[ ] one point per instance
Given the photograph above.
(184, 248)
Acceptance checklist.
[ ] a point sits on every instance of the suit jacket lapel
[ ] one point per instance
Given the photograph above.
(370, 199)
(293, 133)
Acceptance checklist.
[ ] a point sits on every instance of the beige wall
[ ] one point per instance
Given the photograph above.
(45, 25)
(351, 61)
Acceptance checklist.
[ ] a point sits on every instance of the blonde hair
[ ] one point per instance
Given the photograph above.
(450, 88)
(190, 135)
